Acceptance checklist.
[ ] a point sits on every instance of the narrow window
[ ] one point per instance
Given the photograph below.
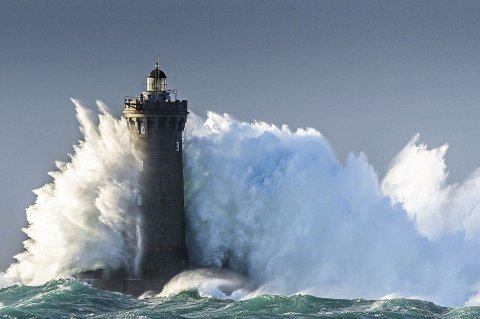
(178, 146)
(140, 166)
(139, 200)
(142, 128)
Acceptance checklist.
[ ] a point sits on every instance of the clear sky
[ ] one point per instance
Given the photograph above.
(367, 74)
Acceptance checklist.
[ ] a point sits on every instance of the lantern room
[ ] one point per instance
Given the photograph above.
(156, 80)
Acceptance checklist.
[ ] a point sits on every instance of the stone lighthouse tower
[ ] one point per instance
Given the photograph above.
(156, 121)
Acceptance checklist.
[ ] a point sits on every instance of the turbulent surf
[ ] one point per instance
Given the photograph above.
(272, 204)
(70, 299)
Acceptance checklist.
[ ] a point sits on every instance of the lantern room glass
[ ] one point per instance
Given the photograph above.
(156, 84)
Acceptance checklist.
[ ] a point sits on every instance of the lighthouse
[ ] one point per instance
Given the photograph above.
(156, 121)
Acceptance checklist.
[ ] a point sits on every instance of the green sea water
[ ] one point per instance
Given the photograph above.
(71, 299)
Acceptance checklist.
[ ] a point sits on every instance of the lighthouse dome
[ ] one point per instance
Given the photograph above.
(159, 74)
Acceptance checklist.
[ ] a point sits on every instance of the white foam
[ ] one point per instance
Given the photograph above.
(213, 283)
(269, 202)
(279, 206)
(84, 218)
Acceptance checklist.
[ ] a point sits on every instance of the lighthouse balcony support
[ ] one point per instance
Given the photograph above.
(137, 104)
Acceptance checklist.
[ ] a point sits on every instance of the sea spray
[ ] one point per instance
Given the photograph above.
(417, 180)
(85, 218)
(268, 202)
(278, 206)
(139, 247)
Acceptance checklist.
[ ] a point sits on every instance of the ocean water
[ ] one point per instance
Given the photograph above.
(71, 299)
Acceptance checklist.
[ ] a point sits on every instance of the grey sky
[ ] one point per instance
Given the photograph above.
(367, 74)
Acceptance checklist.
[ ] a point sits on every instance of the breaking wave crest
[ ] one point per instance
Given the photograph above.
(208, 282)
(85, 218)
(271, 203)
(277, 205)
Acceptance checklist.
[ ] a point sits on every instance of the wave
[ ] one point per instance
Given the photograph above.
(85, 218)
(62, 298)
(277, 205)
(271, 203)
